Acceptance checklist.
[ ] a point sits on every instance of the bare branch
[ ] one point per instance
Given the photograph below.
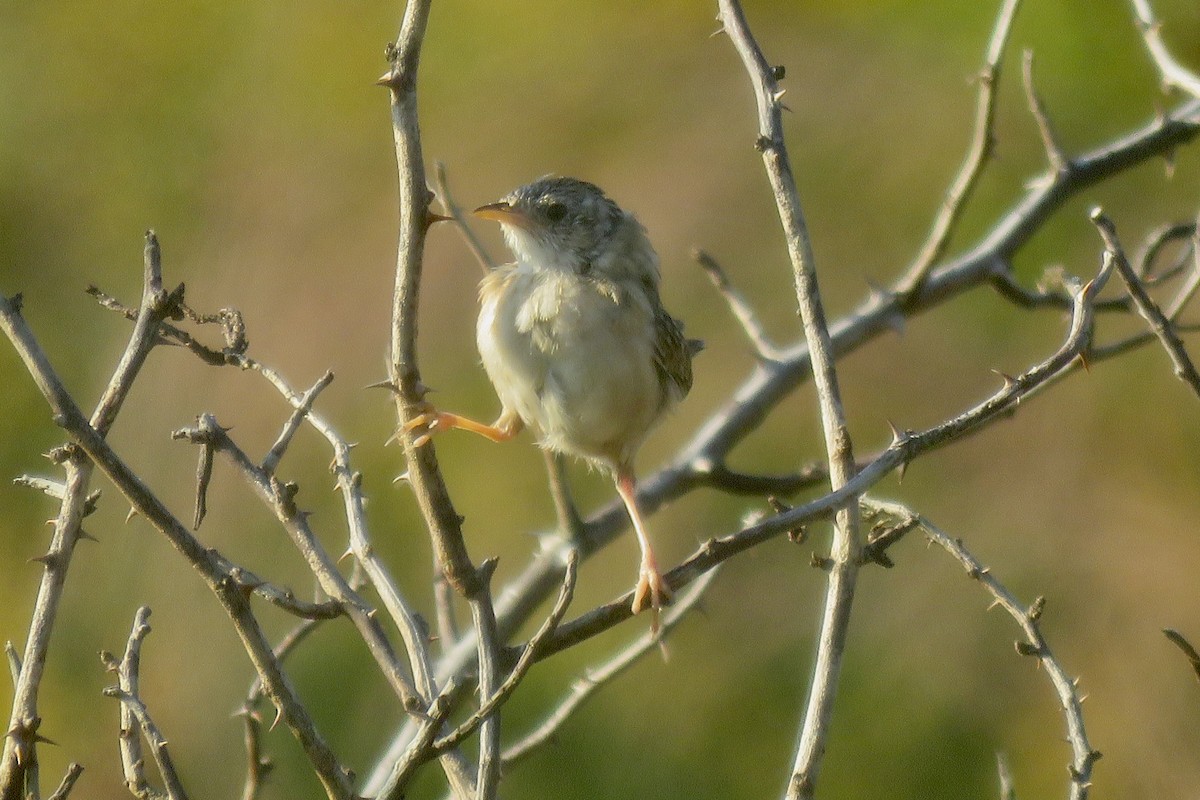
(1026, 617)
(1155, 243)
(14, 662)
(231, 595)
(743, 312)
(1054, 153)
(68, 782)
(454, 212)
(846, 546)
(280, 500)
(1173, 73)
(1008, 790)
(570, 523)
(133, 711)
(1183, 644)
(1185, 370)
(77, 502)
(524, 662)
(594, 679)
(983, 141)
(271, 459)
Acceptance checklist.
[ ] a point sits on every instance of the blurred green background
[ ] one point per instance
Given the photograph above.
(251, 138)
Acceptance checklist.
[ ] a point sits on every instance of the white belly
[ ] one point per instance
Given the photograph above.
(572, 361)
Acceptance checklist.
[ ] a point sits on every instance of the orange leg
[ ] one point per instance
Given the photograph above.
(650, 585)
(503, 429)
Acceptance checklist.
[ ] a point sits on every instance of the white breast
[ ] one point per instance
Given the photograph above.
(574, 357)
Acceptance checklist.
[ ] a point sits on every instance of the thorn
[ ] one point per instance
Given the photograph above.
(778, 94)
(85, 535)
(900, 471)
(384, 384)
(1084, 362)
(132, 513)
(401, 478)
(897, 436)
(993, 604)
(278, 716)
(717, 32)
(349, 552)
(1009, 381)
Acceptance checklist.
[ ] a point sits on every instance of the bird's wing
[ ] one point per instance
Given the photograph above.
(673, 354)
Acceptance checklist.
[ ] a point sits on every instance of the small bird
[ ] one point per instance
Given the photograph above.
(576, 342)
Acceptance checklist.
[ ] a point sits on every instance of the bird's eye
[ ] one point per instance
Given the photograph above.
(555, 211)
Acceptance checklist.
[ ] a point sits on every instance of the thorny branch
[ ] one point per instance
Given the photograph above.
(846, 546)
(1173, 73)
(1034, 644)
(983, 142)
(1159, 323)
(135, 715)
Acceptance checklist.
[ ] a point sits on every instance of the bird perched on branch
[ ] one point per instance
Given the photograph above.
(576, 342)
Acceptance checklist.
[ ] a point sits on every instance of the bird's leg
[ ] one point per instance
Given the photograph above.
(650, 585)
(433, 421)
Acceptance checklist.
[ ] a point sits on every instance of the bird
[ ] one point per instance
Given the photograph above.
(576, 342)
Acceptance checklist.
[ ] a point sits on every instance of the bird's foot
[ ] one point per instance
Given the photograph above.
(425, 425)
(651, 591)
(432, 421)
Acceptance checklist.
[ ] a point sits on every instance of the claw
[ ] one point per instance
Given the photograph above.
(650, 588)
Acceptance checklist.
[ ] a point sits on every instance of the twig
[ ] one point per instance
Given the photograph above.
(1183, 644)
(155, 306)
(488, 643)
(983, 140)
(1185, 370)
(1173, 73)
(452, 210)
(14, 662)
(846, 546)
(594, 679)
(1155, 242)
(133, 710)
(63, 791)
(425, 478)
(1054, 153)
(570, 523)
(743, 312)
(233, 597)
(280, 500)
(1008, 790)
(1026, 617)
(524, 662)
(349, 482)
(271, 459)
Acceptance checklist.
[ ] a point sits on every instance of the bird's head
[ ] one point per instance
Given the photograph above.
(560, 223)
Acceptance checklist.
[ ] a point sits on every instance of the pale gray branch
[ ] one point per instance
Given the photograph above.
(135, 715)
(1173, 73)
(1034, 644)
(1159, 323)
(983, 141)
(846, 547)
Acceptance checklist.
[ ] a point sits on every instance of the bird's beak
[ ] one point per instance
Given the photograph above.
(504, 213)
